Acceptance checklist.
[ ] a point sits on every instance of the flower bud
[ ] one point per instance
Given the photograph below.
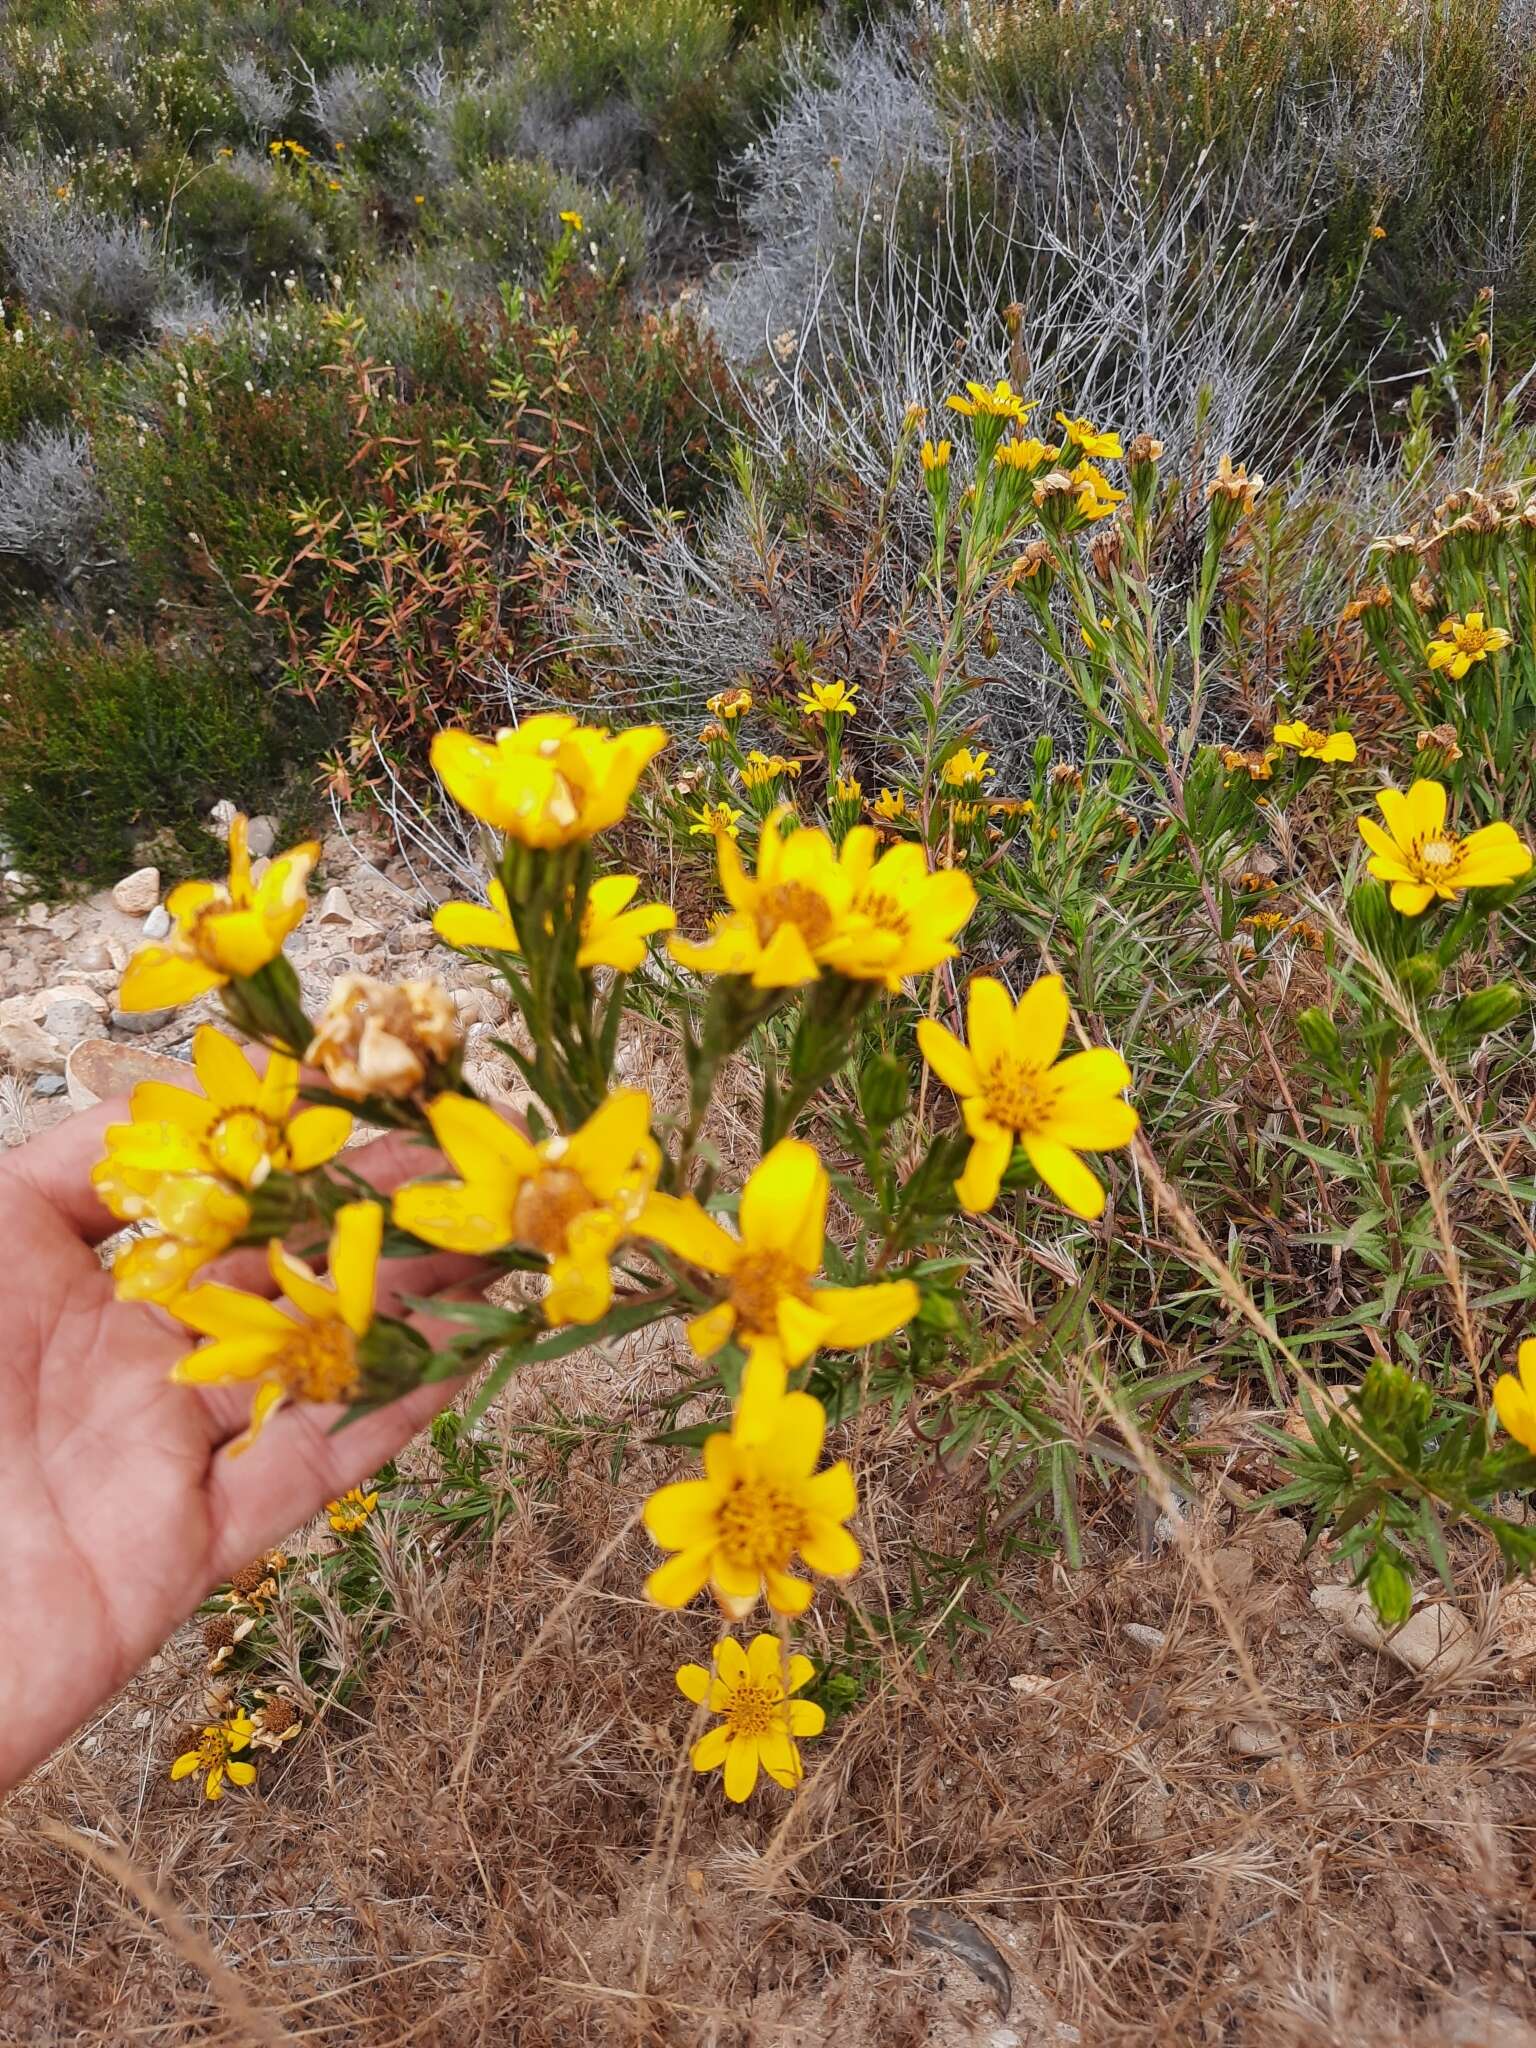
(883, 1089)
(1320, 1035)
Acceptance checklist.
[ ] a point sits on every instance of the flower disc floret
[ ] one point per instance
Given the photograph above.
(1421, 860)
(1012, 1086)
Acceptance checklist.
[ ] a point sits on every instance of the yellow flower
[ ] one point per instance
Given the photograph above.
(1422, 861)
(821, 698)
(1002, 402)
(712, 819)
(611, 934)
(223, 930)
(215, 1755)
(895, 891)
(1313, 745)
(1465, 641)
(1096, 495)
(964, 768)
(1103, 447)
(242, 1124)
(1234, 485)
(760, 769)
(314, 1358)
(735, 703)
(548, 782)
(1378, 232)
(195, 1214)
(935, 455)
(572, 1198)
(349, 1514)
(751, 1690)
(384, 1038)
(1515, 1398)
(1030, 454)
(1257, 766)
(573, 220)
(890, 804)
(761, 1501)
(848, 789)
(770, 1303)
(1009, 1087)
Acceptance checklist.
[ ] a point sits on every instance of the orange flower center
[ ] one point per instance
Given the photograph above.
(546, 1207)
(753, 1708)
(1019, 1098)
(793, 903)
(1471, 639)
(758, 1285)
(319, 1362)
(213, 1750)
(200, 933)
(238, 1137)
(884, 911)
(759, 1524)
(1435, 859)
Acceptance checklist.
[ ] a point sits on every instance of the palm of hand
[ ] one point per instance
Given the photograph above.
(118, 1512)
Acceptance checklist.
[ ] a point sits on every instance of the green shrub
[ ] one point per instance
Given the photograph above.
(105, 741)
(507, 217)
(41, 368)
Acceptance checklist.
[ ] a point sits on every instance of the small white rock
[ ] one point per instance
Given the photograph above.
(334, 907)
(1435, 1637)
(1146, 1638)
(71, 1019)
(261, 837)
(1030, 1683)
(137, 894)
(27, 1049)
(223, 814)
(158, 923)
(1254, 1738)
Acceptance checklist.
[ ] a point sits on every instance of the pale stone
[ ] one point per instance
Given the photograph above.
(1435, 1637)
(334, 908)
(71, 1019)
(261, 837)
(140, 1021)
(27, 1049)
(137, 894)
(223, 814)
(98, 1070)
(1254, 1738)
(158, 923)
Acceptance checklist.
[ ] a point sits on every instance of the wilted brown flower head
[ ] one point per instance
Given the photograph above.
(1369, 601)
(384, 1038)
(1441, 740)
(1234, 484)
(1144, 448)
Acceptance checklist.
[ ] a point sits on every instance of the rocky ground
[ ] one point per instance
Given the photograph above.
(64, 1043)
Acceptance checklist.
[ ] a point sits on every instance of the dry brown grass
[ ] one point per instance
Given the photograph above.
(497, 1838)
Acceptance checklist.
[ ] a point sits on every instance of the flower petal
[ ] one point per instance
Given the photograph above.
(708, 1753)
(707, 1332)
(828, 1548)
(683, 1514)
(765, 1659)
(978, 1185)
(806, 1717)
(158, 979)
(989, 1021)
(731, 1660)
(741, 1753)
(226, 1075)
(676, 1582)
(1066, 1176)
(315, 1135)
(780, 1758)
(693, 1682)
(800, 1672)
(784, 1204)
(948, 1057)
(793, 1443)
(483, 1146)
(681, 1226)
(857, 1316)
(454, 1215)
(1040, 1024)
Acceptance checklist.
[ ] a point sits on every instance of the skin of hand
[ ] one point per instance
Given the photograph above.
(119, 1511)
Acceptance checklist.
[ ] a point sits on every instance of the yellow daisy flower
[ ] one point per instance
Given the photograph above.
(222, 929)
(349, 1514)
(1096, 495)
(1514, 1397)
(759, 769)
(1027, 454)
(548, 782)
(890, 804)
(752, 1692)
(935, 455)
(1012, 1085)
(611, 934)
(1002, 402)
(898, 895)
(215, 1756)
(572, 1198)
(195, 1215)
(1422, 860)
(1313, 745)
(734, 703)
(770, 1303)
(311, 1358)
(573, 220)
(761, 1501)
(964, 768)
(848, 789)
(821, 698)
(1462, 642)
(712, 819)
(1083, 434)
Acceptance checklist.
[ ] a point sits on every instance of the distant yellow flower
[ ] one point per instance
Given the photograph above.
(418, 199)
(710, 819)
(810, 908)
(967, 814)
(1011, 1084)
(1085, 435)
(935, 455)
(572, 1198)
(384, 1038)
(548, 782)
(1002, 402)
(1027, 454)
(733, 703)
(1515, 1397)
(349, 1514)
(1096, 495)
(890, 804)
(223, 930)
(313, 1359)
(821, 698)
(1313, 745)
(573, 220)
(215, 1756)
(770, 1302)
(761, 1502)
(760, 769)
(1422, 860)
(963, 768)
(751, 1690)
(1463, 642)
(1234, 485)
(848, 789)
(1378, 232)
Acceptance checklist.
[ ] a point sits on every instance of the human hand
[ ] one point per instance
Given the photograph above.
(118, 1510)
